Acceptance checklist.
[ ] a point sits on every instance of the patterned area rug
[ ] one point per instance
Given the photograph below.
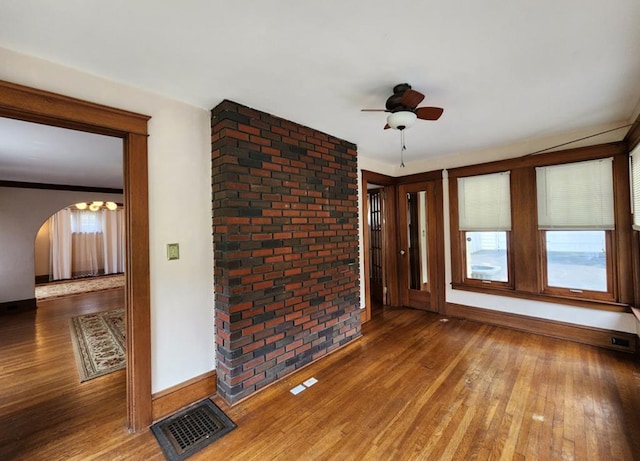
(74, 287)
(98, 343)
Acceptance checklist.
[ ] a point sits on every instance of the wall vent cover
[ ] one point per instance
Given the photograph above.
(191, 429)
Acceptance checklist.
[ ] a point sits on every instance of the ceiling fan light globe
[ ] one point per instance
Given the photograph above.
(401, 120)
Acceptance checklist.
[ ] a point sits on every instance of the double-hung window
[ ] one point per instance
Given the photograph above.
(576, 221)
(484, 222)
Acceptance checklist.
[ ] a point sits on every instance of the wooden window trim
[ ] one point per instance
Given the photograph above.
(526, 247)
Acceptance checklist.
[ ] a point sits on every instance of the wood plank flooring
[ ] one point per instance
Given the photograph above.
(414, 387)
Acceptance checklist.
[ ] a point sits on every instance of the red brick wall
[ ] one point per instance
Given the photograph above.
(285, 233)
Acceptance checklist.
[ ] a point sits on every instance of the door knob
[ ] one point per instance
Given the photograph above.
(402, 252)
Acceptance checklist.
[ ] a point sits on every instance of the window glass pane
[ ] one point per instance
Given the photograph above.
(86, 221)
(577, 260)
(487, 256)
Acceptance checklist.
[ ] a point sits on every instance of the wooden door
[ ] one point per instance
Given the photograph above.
(418, 257)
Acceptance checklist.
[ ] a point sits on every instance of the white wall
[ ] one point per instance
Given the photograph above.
(22, 213)
(182, 328)
(41, 250)
(564, 313)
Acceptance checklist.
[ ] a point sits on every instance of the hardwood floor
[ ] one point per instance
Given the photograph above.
(414, 387)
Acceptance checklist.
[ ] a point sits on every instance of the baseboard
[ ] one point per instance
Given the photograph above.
(18, 306)
(40, 279)
(170, 400)
(555, 329)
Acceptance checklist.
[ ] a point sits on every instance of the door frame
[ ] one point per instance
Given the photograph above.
(391, 184)
(436, 235)
(419, 299)
(33, 105)
(388, 230)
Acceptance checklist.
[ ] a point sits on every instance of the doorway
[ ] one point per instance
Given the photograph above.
(28, 104)
(403, 241)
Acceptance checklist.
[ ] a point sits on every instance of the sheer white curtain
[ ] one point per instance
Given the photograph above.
(60, 245)
(86, 243)
(113, 241)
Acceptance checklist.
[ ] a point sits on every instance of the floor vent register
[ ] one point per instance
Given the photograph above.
(191, 429)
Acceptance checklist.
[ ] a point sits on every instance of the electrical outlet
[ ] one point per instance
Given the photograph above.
(620, 342)
(310, 382)
(296, 390)
(173, 251)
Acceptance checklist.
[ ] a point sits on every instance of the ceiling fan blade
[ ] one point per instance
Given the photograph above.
(386, 127)
(374, 110)
(429, 113)
(411, 98)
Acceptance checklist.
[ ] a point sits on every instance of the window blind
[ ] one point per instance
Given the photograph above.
(576, 196)
(635, 187)
(484, 202)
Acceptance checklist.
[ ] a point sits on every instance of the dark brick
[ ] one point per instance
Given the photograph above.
(285, 233)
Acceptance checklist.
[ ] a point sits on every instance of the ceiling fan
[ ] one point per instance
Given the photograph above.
(404, 110)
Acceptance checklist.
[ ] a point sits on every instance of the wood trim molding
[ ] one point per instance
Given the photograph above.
(552, 158)
(67, 187)
(24, 103)
(33, 105)
(184, 394)
(555, 329)
(543, 297)
(633, 135)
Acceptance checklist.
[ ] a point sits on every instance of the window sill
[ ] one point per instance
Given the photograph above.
(508, 292)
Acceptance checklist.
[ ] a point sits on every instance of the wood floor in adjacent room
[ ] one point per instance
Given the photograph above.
(413, 387)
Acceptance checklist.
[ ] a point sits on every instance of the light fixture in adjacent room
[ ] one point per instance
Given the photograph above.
(97, 205)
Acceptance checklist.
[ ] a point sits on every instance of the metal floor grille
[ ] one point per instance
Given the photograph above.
(191, 429)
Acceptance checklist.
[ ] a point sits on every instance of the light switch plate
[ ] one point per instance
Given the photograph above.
(173, 251)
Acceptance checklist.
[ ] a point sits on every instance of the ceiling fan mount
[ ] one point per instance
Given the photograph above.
(394, 102)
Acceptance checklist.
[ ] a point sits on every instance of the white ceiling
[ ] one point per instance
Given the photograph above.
(503, 70)
(30, 152)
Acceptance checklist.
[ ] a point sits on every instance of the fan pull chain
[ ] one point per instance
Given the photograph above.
(402, 148)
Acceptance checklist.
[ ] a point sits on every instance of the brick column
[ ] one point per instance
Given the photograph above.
(285, 233)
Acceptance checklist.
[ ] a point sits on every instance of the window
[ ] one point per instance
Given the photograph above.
(554, 227)
(484, 213)
(575, 218)
(86, 221)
